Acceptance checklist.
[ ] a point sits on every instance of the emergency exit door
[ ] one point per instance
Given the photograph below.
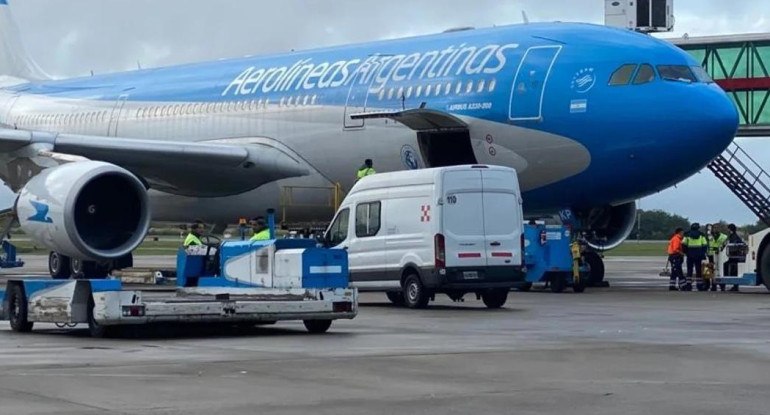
(117, 109)
(358, 95)
(529, 83)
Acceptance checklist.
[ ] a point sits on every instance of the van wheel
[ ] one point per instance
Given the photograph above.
(317, 326)
(396, 297)
(17, 311)
(495, 298)
(414, 292)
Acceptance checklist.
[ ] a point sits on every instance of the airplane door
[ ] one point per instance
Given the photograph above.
(529, 83)
(112, 127)
(7, 109)
(358, 96)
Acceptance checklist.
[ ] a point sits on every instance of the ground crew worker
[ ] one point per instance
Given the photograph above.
(731, 266)
(695, 246)
(261, 231)
(676, 257)
(717, 241)
(194, 237)
(366, 169)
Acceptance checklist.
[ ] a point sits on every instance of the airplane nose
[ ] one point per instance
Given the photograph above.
(717, 123)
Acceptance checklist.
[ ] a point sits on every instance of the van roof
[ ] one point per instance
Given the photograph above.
(412, 177)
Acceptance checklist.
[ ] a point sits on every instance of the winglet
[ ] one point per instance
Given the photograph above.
(523, 17)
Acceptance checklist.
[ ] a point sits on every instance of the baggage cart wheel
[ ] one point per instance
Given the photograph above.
(526, 287)
(97, 330)
(395, 297)
(558, 283)
(17, 304)
(317, 326)
(414, 292)
(495, 298)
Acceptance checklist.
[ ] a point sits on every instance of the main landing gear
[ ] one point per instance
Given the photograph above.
(62, 267)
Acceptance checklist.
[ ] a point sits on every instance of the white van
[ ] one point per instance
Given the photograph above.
(452, 230)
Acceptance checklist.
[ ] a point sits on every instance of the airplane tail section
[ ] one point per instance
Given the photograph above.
(14, 60)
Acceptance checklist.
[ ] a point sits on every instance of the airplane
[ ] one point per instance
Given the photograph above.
(592, 118)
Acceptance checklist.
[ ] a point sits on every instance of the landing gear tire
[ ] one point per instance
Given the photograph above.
(58, 266)
(17, 311)
(595, 268)
(396, 297)
(317, 326)
(87, 270)
(97, 331)
(415, 295)
(495, 298)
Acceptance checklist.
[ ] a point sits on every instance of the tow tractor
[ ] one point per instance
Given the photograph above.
(552, 256)
(234, 282)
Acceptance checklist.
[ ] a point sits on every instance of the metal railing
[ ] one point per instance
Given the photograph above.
(288, 199)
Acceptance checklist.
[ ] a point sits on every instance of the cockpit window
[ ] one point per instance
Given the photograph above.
(622, 76)
(702, 75)
(646, 74)
(678, 73)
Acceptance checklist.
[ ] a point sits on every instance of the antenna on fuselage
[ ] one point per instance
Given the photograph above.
(524, 17)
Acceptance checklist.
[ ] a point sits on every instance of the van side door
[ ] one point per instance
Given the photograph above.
(503, 218)
(366, 253)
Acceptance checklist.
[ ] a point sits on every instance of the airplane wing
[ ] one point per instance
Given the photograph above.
(177, 167)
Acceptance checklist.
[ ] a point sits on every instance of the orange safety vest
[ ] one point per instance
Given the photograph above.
(675, 245)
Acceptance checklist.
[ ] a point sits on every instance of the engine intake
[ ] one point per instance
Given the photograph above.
(608, 227)
(86, 210)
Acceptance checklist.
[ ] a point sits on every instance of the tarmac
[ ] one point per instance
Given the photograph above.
(633, 348)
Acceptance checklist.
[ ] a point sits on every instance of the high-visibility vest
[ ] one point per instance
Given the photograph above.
(192, 240)
(715, 244)
(262, 235)
(365, 171)
(695, 246)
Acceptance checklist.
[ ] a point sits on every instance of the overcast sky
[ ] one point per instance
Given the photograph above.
(73, 37)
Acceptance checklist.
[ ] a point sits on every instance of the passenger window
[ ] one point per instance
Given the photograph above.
(492, 84)
(367, 219)
(427, 90)
(338, 232)
(390, 93)
(418, 91)
(480, 86)
(622, 76)
(645, 75)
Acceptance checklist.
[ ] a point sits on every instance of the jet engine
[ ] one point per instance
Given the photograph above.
(608, 227)
(87, 210)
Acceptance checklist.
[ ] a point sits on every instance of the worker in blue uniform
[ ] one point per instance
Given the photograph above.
(695, 246)
(731, 266)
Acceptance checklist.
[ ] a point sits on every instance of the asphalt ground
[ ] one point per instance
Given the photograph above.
(633, 348)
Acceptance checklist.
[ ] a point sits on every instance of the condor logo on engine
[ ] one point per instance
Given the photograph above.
(41, 213)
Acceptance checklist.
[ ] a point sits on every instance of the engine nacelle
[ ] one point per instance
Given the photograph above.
(608, 227)
(87, 210)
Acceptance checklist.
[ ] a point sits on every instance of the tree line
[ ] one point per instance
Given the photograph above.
(657, 225)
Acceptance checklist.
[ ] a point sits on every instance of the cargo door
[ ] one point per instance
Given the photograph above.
(503, 219)
(463, 218)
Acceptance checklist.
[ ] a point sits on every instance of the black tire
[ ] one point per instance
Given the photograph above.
(17, 311)
(317, 326)
(495, 298)
(764, 266)
(395, 297)
(58, 266)
(579, 287)
(414, 292)
(526, 287)
(558, 283)
(595, 268)
(97, 331)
